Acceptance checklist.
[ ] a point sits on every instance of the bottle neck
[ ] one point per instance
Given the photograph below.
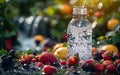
(78, 16)
(79, 12)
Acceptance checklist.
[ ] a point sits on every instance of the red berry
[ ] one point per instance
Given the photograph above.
(27, 58)
(8, 41)
(98, 14)
(107, 55)
(110, 67)
(47, 69)
(47, 58)
(8, 44)
(90, 62)
(31, 55)
(63, 62)
(102, 51)
(119, 54)
(40, 64)
(98, 67)
(33, 60)
(117, 61)
(65, 37)
(107, 62)
(73, 60)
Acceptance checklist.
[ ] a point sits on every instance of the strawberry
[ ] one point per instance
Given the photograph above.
(102, 51)
(31, 55)
(73, 60)
(8, 44)
(107, 62)
(27, 58)
(38, 56)
(117, 61)
(63, 62)
(33, 60)
(110, 67)
(49, 70)
(90, 62)
(39, 64)
(47, 58)
(107, 55)
(99, 67)
(88, 66)
(119, 54)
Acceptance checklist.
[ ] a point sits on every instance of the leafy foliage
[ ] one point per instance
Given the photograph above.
(3, 52)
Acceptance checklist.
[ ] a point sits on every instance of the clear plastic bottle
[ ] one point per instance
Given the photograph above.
(79, 33)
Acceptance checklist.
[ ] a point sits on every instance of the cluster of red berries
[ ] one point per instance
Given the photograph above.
(103, 61)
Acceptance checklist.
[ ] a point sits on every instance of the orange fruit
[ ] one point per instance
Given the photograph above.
(112, 23)
(58, 45)
(65, 9)
(110, 48)
(61, 53)
(94, 50)
(39, 37)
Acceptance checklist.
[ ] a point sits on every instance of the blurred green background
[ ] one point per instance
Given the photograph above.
(55, 16)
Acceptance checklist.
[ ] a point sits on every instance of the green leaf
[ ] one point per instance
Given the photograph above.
(18, 53)
(2, 1)
(61, 72)
(116, 38)
(9, 34)
(3, 52)
(101, 38)
(39, 73)
(65, 44)
(29, 51)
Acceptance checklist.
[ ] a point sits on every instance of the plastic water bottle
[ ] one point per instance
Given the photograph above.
(79, 34)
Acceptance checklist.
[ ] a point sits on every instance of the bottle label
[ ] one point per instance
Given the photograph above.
(80, 41)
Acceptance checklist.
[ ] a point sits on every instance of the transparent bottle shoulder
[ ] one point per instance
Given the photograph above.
(79, 22)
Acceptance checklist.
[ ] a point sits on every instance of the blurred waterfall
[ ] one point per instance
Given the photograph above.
(30, 26)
